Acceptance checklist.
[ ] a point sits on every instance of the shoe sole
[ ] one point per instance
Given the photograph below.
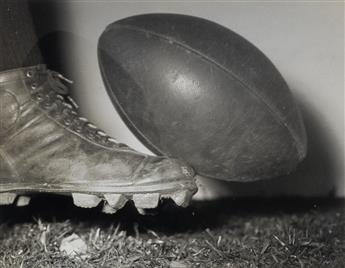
(113, 197)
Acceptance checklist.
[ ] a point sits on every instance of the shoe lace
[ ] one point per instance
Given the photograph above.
(69, 108)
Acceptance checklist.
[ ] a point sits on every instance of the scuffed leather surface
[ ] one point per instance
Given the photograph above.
(41, 149)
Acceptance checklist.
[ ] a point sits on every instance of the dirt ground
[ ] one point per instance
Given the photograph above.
(224, 233)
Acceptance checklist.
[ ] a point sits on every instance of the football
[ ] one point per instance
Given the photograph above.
(192, 89)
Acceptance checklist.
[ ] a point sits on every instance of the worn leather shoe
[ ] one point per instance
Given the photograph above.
(45, 146)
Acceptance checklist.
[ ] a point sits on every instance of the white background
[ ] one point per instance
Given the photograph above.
(304, 40)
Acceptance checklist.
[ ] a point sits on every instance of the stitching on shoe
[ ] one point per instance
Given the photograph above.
(9, 162)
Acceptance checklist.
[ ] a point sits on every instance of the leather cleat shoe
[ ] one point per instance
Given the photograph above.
(45, 146)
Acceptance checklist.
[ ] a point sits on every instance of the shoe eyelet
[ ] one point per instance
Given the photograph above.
(78, 130)
(34, 86)
(39, 97)
(29, 74)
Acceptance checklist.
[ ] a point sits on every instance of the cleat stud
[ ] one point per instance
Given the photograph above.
(116, 200)
(7, 198)
(182, 198)
(23, 201)
(150, 200)
(108, 209)
(142, 211)
(85, 200)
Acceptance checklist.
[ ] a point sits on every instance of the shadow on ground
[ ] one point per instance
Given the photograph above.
(168, 218)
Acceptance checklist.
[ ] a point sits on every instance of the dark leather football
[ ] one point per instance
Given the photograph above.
(195, 90)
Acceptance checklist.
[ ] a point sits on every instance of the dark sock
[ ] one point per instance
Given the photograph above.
(18, 40)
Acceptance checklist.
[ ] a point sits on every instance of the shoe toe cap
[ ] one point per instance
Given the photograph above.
(167, 169)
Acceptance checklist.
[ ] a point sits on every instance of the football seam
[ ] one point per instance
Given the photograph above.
(274, 111)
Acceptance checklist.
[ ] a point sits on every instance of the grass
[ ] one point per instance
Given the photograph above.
(224, 233)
